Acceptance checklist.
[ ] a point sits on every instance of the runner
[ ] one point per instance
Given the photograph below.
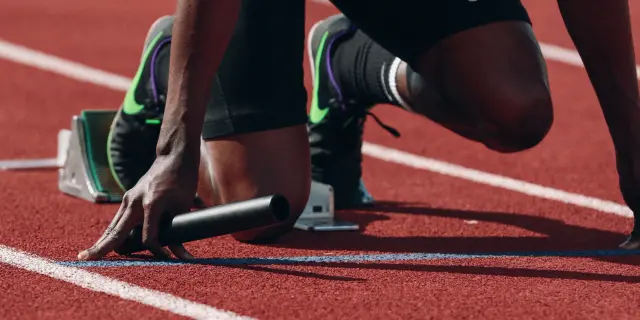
(474, 67)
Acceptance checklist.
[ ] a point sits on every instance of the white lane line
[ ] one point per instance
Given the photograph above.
(106, 79)
(99, 283)
(73, 70)
(567, 56)
(531, 189)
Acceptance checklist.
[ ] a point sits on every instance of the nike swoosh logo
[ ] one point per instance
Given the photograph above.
(130, 105)
(317, 113)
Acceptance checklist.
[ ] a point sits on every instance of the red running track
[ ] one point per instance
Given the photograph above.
(420, 211)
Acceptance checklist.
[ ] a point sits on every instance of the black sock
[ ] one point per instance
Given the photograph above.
(362, 68)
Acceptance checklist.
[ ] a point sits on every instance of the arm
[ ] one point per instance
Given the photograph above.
(601, 31)
(202, 31)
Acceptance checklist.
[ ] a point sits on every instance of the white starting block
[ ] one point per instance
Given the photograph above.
(319, 214)
(84, 172)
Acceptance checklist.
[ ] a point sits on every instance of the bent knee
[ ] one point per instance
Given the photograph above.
(526, 121)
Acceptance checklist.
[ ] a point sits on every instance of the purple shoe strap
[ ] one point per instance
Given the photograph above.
(329, 67)
(154, 57)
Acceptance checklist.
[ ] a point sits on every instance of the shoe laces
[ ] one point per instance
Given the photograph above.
(393, 131)
(360, 114)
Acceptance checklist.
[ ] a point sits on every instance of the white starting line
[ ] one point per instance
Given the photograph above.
(123, 290)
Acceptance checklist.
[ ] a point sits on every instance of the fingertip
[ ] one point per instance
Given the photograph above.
(167, 253)
(160, 252)
(181, 252)
(186, 256)
(83, 255)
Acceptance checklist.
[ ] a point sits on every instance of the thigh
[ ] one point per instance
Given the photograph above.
(254, 134)
(479, 58)
(409, 28)
(259, 85)
(494, 72)
(251, 165)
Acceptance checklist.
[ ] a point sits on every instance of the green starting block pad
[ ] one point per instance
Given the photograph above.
(84, 172)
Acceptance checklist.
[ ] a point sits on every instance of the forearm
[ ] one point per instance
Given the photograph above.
(201, 33)
(601, 31)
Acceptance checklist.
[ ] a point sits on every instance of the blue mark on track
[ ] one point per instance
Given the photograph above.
(344, 258)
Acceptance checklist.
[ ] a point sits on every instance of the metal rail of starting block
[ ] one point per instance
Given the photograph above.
(84, 172)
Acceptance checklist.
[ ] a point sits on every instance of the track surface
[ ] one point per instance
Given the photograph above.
(421, 212)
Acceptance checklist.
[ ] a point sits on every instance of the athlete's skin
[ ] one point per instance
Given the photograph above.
(508, 109)
(171, 182)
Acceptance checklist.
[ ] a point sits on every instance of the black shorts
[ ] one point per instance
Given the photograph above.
(260, 82)
(409, 28)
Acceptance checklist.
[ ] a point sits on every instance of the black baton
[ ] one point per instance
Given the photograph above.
(215, 221)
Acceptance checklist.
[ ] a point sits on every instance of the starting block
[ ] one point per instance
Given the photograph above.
(84, 172)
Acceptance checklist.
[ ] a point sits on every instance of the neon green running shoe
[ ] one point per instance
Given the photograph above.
(131, 146)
